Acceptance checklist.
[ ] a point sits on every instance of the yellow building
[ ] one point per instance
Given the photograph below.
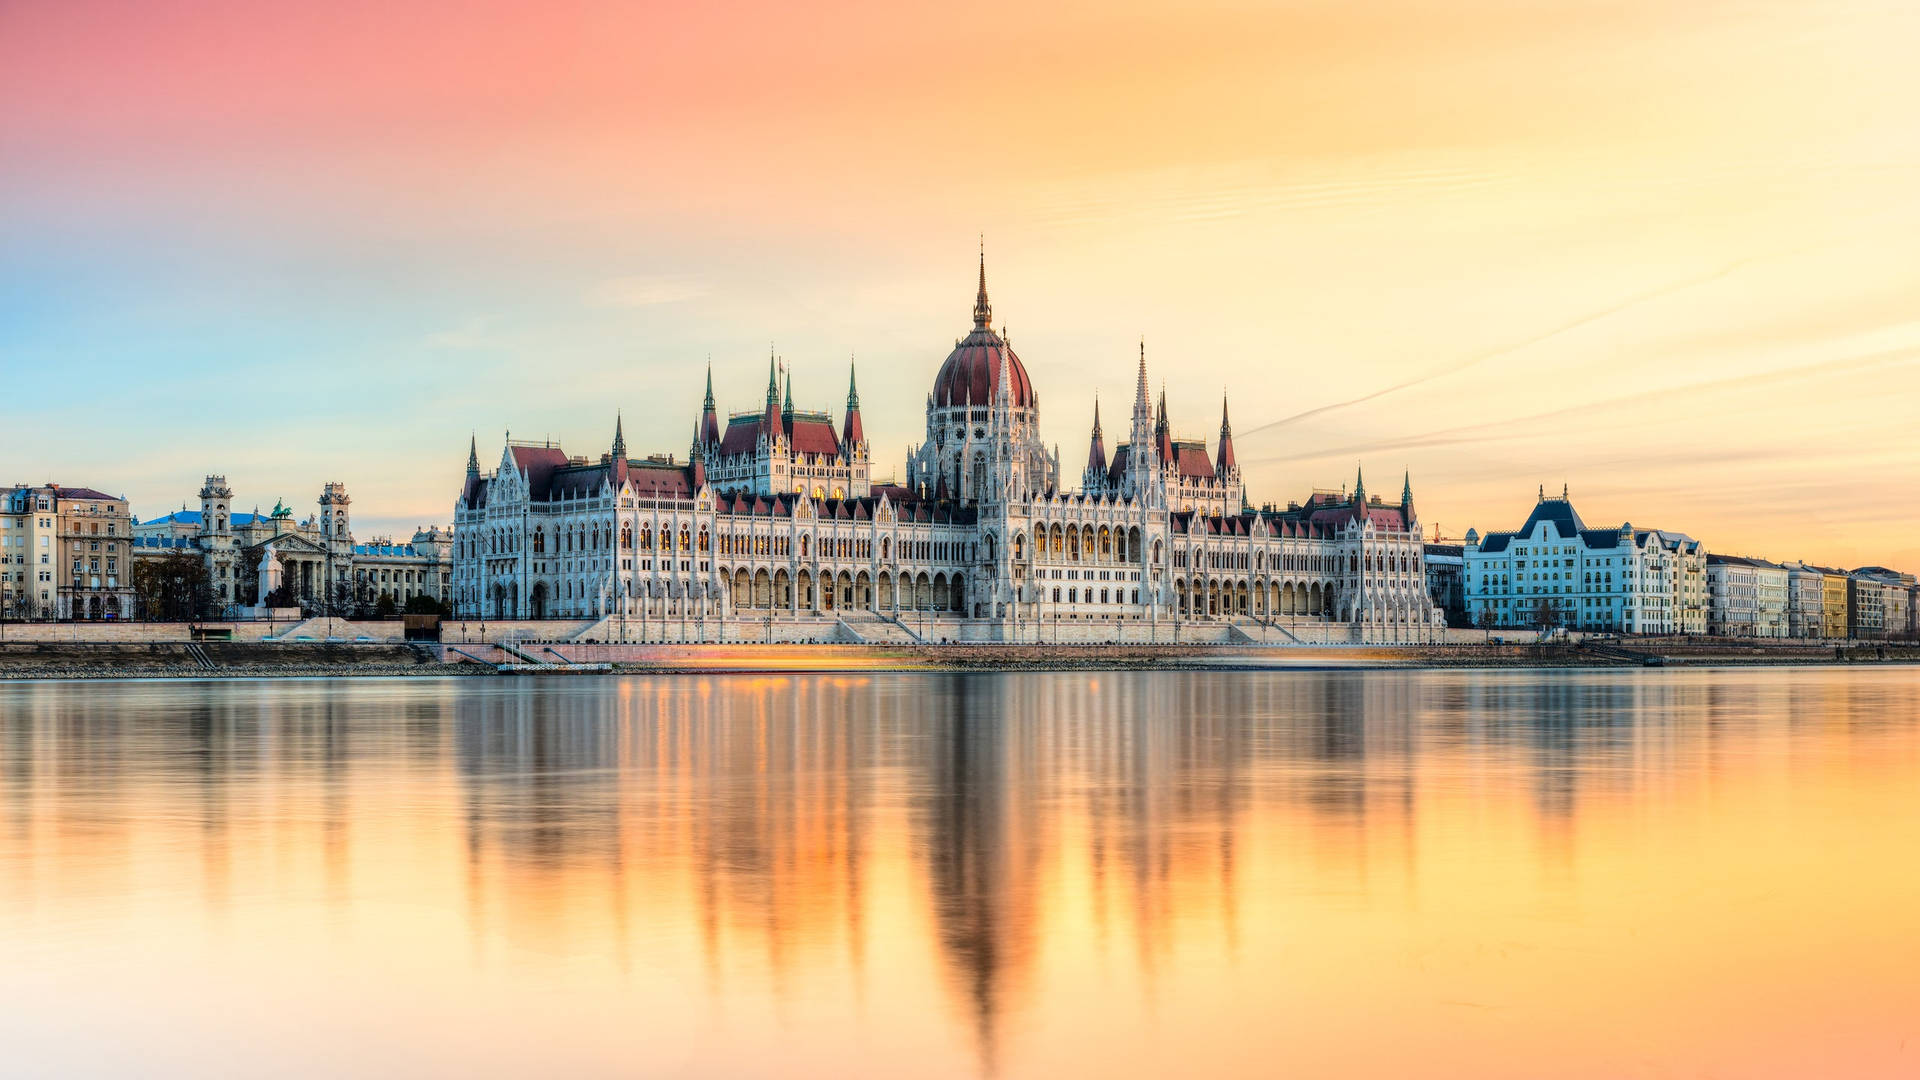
(64, 554)
(1833, 605)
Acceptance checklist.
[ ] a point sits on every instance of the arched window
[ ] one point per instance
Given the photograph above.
(626, 537)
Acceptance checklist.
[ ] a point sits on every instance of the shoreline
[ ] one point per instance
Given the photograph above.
(48, 661)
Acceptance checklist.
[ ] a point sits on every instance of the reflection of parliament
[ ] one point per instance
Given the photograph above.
(772, 529)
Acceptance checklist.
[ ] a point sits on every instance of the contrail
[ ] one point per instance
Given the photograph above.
(1468, 433)
(1591, 317)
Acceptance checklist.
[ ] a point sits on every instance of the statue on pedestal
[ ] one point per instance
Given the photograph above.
(269, 574)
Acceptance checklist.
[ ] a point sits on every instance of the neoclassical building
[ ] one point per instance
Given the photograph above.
(328, 569)
(773, 528)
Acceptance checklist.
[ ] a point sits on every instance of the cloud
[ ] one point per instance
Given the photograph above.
(646, 290)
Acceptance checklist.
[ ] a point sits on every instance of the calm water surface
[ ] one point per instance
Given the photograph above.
(1674, 873)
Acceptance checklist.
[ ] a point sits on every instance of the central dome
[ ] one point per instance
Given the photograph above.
(972, 371)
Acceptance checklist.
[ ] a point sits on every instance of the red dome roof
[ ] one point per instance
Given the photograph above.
(972, 373)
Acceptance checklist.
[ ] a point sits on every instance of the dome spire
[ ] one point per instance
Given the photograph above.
(982, 311)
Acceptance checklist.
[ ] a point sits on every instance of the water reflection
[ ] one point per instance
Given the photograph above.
(952, 874)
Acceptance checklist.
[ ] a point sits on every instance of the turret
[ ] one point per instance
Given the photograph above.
(1163, 431)
(333, 512)
(1143, 467)
(1225, 463)
(786, 407)
(770, 423)
(1096, 473)
(214, 498)
(473, 457)
(1406, 497)
(852, 434)
(619, 439)
(709, 418)
(982, 311)
(697, 461)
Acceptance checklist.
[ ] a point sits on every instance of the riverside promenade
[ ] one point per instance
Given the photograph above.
(339, 648)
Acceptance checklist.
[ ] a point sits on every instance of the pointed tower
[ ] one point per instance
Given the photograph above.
(697, 460)
(770, 423)
(619, 438)
(852, 434)
(1224, 462)
(1359, 486)
(1095, 478)
(473, 456)
(786, 407)
(1142, 466)
(709, 418)
(982, 311)
(1163, 431)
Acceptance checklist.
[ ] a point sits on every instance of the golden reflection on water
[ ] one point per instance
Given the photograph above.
(1354, 873)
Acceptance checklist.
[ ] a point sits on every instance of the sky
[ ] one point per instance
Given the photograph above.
(1660, 253)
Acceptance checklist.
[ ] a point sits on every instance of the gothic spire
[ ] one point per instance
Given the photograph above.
(1096, 451)
(1140, 390)
(1359, 484)
(852, 434)
(619, 439)
(473, 456)
(1224, 459)
(982, 311)
(773, 378)
(709, 418)
(1406, 489)
(1162, 431)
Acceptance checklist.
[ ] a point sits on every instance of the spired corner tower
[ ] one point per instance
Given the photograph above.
(334, 524)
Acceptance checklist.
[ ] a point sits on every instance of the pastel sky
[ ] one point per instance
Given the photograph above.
(1661, 252)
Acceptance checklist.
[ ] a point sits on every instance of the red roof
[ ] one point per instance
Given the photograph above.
(807, 435)
(972, 372)
(814, 437)
(538, 463)
(742, 433)
(1191, 459)
(80, 493)
(654, 481)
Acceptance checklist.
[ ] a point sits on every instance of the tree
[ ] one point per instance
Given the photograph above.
(172, 588)
(1545, 615)
(422, 604)
(1488, 620)
(384, 608)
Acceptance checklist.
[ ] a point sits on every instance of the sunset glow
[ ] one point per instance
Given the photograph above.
(1659, 252)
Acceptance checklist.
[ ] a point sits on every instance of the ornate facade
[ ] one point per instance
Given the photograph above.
(773, 528)
(327, 569)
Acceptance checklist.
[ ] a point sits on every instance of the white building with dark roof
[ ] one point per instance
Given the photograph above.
(1556, 571)
(773, 528)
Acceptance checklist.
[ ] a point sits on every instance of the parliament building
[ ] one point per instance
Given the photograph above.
(772, 528)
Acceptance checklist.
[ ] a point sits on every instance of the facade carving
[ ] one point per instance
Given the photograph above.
(773, 527)
(329, 571)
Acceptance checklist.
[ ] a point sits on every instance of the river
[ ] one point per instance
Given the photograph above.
(1508, 873)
